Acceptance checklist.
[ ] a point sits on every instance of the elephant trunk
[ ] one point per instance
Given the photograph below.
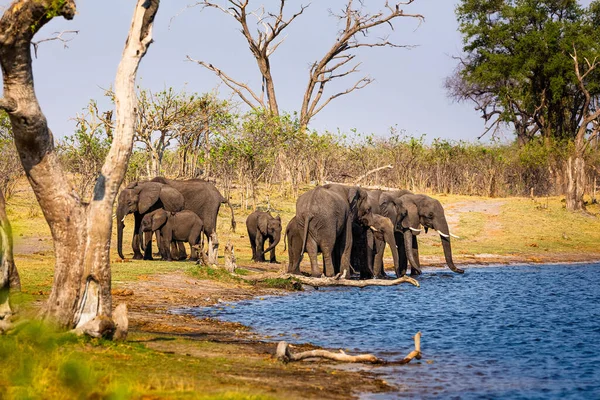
(276, 239)
(448, 255)
(408, 246)
(121, 214)
(443, 227)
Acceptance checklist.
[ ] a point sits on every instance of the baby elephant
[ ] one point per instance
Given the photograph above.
(262, 225)
(183, 226)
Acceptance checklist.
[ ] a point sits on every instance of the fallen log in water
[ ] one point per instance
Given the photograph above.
(285, 355)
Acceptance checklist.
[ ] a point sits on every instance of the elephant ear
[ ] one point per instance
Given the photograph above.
(159, 219)
(172, 199)
(263, 225)
(356, 197)
(149, 195)
(409, 213)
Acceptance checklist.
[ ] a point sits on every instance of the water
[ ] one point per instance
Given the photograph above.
(521, 332)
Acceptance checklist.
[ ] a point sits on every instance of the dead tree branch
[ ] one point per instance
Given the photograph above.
(284, 354)
(57, 36)
(360, 178)
(262, 44)
(356, 24)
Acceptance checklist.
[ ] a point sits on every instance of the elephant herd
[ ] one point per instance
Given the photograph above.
(177, 211)
(349, 225)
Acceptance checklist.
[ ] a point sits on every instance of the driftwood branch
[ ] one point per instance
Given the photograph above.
(284, 354)
(336, 281)
(360, 178)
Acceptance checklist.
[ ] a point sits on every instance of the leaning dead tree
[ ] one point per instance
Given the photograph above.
(81, 231)
(338, 62)
(9, 277)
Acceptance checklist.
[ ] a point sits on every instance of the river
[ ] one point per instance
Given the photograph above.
(495, 332)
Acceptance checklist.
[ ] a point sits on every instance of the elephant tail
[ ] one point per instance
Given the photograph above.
(305, 234)
(233, 224)
(285, 241)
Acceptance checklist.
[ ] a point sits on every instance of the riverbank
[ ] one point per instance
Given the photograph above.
(178, 356)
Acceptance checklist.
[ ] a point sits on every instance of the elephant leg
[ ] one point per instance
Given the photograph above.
(166, 238)
(328, 261)
(135, 241)
(415, 250)
(260, 246)
(174, 251)
(402, 259)
(182, 252)
(148, 245)
(345, 267)
(311, 249)
(213, 248)
(272, 257)
(371, 250)
(378, 270)
(253, 246)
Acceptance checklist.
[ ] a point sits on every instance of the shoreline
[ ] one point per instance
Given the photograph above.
(152, 300)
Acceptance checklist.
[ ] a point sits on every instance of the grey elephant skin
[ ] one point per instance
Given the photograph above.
(325, 215)
(141, 198)
(416, 210)
(376, 227)
(262, 226)
(183, 226)
(205, 200)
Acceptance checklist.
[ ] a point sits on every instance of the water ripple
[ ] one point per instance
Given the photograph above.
(521, 332)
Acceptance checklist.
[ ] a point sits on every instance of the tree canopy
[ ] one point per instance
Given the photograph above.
(518, 66)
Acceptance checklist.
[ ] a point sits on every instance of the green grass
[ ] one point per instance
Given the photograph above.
(42, 363)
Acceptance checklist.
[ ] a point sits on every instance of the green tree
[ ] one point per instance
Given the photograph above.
(519, 69)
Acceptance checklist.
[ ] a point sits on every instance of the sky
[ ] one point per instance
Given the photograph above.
(407, 93)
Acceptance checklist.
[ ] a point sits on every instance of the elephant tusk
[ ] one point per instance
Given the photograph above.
(454, 236)
(374, 229)
(442, 234)
(123, 220)
(414, 230)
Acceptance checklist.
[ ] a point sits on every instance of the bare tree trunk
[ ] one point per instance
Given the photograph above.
(575, 183)
(9, 277)
(81, 231)
(206, 149)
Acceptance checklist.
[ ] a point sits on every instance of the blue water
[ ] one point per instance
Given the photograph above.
(521, 332)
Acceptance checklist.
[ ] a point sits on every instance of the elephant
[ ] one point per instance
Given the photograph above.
(415, 210)
(141, 198)
(293, 234)
(325, 215)
(196, 195)
(183, 226)
(261, 226)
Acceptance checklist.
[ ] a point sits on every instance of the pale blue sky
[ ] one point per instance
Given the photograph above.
(407, 92)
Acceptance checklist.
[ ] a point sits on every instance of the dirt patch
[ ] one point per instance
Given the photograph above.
(491, 208)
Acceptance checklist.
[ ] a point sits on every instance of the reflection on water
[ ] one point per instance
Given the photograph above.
(517, 332)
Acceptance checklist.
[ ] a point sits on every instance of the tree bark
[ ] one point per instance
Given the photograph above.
(81, 231)
(9, 277)
(575, 167)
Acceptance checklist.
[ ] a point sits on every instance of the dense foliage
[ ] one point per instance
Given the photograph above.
(518, 67)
